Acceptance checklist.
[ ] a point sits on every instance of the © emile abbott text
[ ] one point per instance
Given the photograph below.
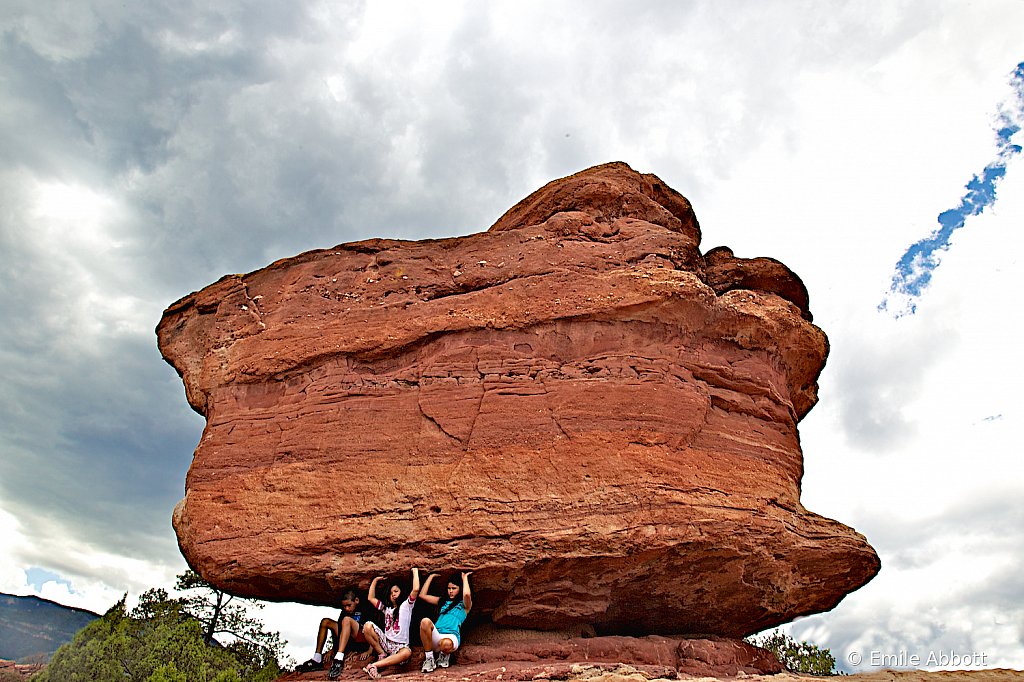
(904, 659)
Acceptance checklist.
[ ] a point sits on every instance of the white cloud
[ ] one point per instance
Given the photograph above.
(12, 576)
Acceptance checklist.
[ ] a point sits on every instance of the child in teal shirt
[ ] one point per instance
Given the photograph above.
(442, 638)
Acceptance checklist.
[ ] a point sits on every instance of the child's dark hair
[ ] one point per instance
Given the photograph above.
(349, 595)
(403, 593)
(446, 604)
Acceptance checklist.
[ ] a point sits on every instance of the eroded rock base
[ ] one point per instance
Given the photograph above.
(552, 659)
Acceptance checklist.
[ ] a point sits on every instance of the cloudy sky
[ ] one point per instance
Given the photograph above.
(146, 149)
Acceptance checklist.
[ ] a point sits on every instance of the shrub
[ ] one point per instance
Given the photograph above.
(801, 657)
(163, 641)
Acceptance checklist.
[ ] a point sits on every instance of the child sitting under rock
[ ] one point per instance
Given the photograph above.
(348, 627)
(442, 639)
(392, 642)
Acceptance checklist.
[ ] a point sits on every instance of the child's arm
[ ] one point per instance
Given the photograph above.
(371, 594)
(415, 585)
(467, 598)
(425, 592)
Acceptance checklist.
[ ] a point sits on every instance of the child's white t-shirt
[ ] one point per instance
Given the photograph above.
(397, 629)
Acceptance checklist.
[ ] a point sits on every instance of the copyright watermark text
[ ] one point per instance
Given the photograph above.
(905, 659)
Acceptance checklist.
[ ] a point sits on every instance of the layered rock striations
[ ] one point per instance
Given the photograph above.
(577, 404)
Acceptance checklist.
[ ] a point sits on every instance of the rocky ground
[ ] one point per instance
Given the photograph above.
(611, 672)
(627, 659)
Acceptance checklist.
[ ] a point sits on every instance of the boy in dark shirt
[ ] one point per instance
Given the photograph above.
(348, 628)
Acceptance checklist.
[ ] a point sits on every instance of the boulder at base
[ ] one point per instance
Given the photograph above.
(577, 405)
(635, 659)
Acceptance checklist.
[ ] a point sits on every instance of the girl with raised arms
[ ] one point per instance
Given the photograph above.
(391, 643)
(442, 638)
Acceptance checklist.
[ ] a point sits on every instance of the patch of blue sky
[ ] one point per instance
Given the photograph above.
(37, 577)
(914, 269)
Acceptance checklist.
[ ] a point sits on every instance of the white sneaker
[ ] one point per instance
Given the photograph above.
(428, 665)
(443, 660)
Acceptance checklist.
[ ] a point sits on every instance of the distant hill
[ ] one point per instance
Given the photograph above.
(30, 625)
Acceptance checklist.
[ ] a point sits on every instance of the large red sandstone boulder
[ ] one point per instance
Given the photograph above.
(573, 404)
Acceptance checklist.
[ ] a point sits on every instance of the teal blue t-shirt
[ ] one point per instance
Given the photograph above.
(451, 620)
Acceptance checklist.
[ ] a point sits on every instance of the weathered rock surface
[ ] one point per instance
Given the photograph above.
(574, 404)
(25, 670)
(549, 658)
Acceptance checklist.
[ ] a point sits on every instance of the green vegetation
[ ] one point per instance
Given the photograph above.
(170, 640)
(800, 657)
(224, 614)
(31, 628)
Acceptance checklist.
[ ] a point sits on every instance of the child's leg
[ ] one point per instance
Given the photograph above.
(332, 626)
(444, 642)
(427, 635)
(349, 628)
(401, 656)
(372, 636)
(326, 625)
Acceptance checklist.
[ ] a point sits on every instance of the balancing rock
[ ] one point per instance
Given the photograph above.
(577, 405)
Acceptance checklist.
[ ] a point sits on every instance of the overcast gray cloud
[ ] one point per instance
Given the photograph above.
(105, 112)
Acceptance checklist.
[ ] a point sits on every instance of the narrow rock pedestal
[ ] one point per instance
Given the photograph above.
(543, 658)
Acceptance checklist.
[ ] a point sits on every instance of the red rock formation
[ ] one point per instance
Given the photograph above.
(559, 659)
(26, 670)
(572, 404)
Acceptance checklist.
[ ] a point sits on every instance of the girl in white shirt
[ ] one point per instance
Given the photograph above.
(392, 642)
